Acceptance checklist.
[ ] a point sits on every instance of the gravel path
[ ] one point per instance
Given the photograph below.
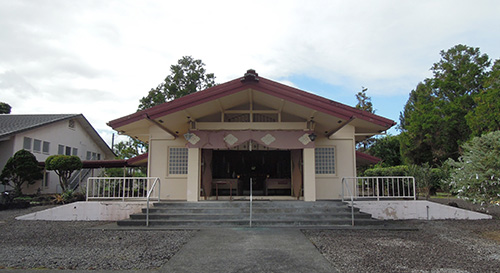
(438, 246)
(72, 245)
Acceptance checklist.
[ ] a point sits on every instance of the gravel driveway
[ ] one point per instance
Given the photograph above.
(72, 245)
(438, 246)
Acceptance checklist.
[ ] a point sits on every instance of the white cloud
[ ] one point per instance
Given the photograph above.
(100, 57)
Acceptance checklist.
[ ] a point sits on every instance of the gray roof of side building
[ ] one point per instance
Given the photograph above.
(14, 124)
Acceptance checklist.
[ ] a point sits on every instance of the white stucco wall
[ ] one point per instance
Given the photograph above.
(330, 186)
(6, 151)
(87, 211)
(173, 187)
(56, 134)
(419, 209)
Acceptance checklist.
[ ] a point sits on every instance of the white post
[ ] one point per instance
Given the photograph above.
(193, 177)
(309, 175)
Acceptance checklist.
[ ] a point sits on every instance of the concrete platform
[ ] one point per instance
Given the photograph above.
(249, 250)
(418, 210)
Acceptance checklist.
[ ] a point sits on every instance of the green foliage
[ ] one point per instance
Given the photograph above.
(433, 122)
(5, 108)
(130, 148)
(485, 117)
(364, 101)
(401, 170)
(125, 150)
(63, 166)
(21, 168)
(187, 76)
(475, 175)
(428, 179)
(365, 104)
(388, 149)
(423, 178)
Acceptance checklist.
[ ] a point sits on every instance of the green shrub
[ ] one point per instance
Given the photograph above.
(401, 170)
(22, 168)
(428, 179)
(63, 166)
(476, 174)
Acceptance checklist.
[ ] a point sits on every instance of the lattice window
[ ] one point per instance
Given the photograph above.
(236, 117)
(178, 161)
(265, 117)
(325, 160)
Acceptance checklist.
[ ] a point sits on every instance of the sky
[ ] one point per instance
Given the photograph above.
(99, 58)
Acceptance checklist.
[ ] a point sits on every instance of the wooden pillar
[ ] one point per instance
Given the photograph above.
(309, 175)
(193, 177)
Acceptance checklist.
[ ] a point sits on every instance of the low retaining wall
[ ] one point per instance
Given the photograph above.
(419, 209)
(87, 211)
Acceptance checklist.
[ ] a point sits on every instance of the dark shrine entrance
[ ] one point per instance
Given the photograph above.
(270, 172)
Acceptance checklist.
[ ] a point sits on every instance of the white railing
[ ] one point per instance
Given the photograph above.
(150, 191)
(381, 187)
(110, 188)
(346, 186)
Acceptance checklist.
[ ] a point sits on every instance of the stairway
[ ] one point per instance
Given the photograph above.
(237, 214)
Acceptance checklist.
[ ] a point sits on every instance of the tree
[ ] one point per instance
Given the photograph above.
(475, 176)
(5, 108)
(130, 148)
(433, 122)
(365, 104)
(420, 123)
(485, 117)
(22, 168)
(63, 166)
(388, 149)
(126, 150)
(187, 76)
(364, 101)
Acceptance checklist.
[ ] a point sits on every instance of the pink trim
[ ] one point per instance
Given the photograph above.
(367, 157)
(264, 85)
(285, 140)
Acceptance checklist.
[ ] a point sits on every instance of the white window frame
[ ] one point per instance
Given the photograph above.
(180, 167)
(25, 141)
(35, 141)
(317, 161)
(61, 149)
(45, 144)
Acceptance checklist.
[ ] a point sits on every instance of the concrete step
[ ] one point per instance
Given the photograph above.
(256, 216)
(276, 204)
(237, 213)
(246, 222)
(221, 210)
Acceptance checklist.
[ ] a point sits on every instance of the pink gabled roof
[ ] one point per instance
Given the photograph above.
(252, 80)
(368, 158)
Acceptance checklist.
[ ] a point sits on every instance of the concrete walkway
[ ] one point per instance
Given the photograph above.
(248, 250)
(237, 250)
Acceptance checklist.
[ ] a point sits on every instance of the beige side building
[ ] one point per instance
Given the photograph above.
(252, 136)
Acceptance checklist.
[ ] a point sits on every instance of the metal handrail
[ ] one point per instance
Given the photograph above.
(344, 184)
(384, 187)
(149, 196)
(251, 200)
(121, 188)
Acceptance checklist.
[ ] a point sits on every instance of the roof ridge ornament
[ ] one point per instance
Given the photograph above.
(250, 76)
